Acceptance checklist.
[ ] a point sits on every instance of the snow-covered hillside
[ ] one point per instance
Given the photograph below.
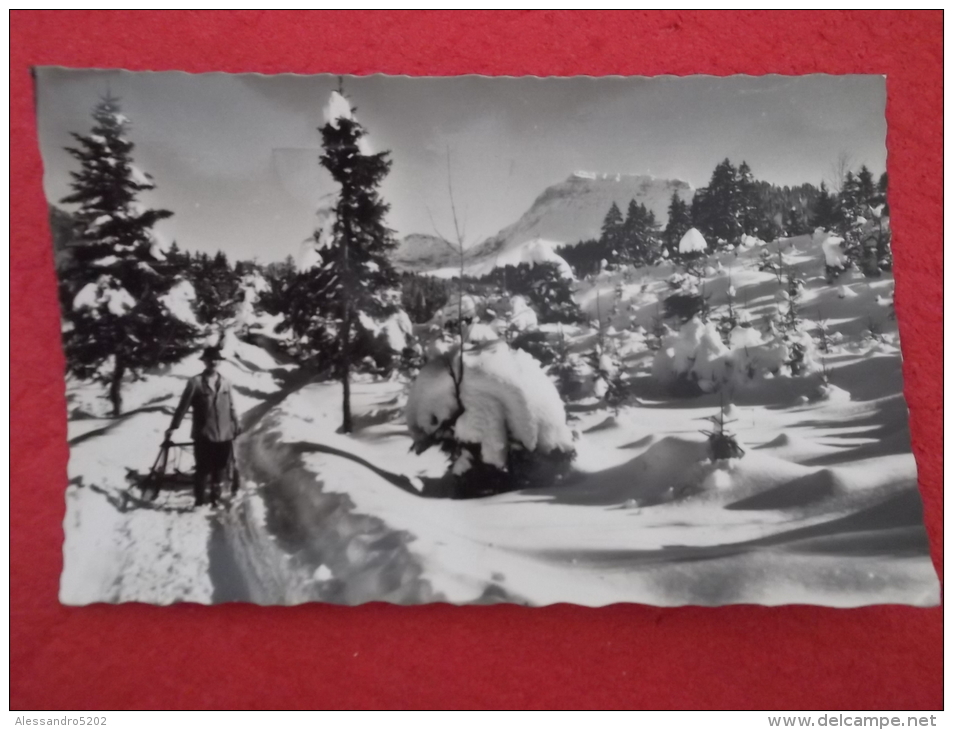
(821, 507)
(565, 213)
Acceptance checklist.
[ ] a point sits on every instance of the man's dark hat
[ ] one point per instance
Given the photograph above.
(212, 353)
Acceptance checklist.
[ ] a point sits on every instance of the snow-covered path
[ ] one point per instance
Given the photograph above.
(120, 546)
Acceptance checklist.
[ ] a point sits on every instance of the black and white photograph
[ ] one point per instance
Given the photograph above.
(479, 340)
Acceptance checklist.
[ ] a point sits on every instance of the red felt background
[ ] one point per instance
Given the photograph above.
(382, 656)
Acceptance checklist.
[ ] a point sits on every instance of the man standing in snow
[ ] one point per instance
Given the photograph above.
(215, 426)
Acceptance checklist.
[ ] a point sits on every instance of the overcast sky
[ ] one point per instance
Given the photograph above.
(235, 157)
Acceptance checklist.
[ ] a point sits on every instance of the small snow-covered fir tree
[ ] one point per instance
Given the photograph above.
(722, 444)
(117, 323)
(791, 333)
(335, 303)
(609, 376)
(728, 320)
(566, 369)
(688, 304)
(657, 331)
(823, 336)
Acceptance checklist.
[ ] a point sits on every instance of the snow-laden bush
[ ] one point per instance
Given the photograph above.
(521, 316)
(502, 409)
(693, 242)
(179, 301)
(696, 359)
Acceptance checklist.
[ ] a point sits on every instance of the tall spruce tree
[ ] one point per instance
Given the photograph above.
(825, 210)
(717, 209)
(850, 202)
(116, 322)
(612, 233)
(679, 221)
(749, 202)
(866, 188)
(334, 304)
(882, 195)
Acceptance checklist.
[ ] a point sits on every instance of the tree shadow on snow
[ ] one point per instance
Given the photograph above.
(893, 527)
(166, 409)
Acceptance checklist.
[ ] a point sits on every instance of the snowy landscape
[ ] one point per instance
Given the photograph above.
(639, 390)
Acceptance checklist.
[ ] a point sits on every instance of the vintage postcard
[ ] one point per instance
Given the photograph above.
(477, 340)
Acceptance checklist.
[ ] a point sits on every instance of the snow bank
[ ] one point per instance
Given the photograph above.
(505, 395)
(479, 332)
(748, 241)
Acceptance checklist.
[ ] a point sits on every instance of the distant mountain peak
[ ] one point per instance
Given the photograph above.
(565, 213)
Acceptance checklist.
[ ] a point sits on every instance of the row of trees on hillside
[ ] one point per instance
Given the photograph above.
(858, 196)
(217, 283)
(734, 204)
(860, 215)
(541, 284)
(632, 239)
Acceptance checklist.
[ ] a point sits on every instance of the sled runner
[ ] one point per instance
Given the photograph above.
(169, 470)
(166, 471)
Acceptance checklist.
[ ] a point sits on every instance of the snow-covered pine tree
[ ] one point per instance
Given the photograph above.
(612, 233)
(881, 197)
(422, 296)
(717, 209)
(640, 244)
(177, 261)
(864, 223)
(679, 221)
(722, 444)
(749, 203)
(850, 203)
(728, 320)
(825, 210)
(545, 286)
(866, 188)
(336, 303)
(217, 287)
(116, 321)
